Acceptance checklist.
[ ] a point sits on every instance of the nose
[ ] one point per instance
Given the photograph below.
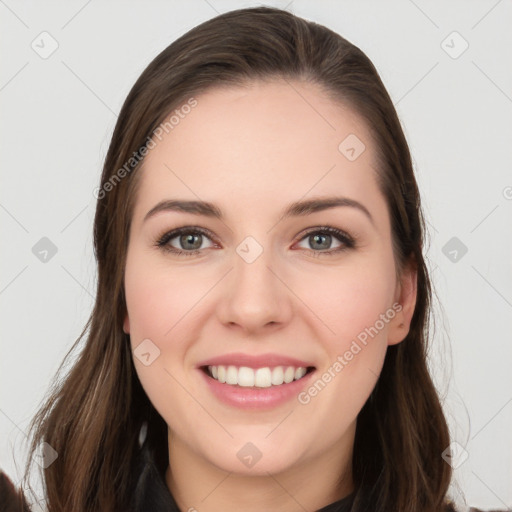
(255, 296)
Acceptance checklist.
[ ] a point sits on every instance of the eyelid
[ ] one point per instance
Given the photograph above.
(346, 240)
(163, 240)
(327, 229)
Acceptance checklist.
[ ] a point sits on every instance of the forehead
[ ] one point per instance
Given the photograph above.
(267, 141)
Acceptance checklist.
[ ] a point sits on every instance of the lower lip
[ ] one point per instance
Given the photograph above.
(256, 398)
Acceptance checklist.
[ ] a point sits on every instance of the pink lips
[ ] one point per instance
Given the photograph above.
(254, 398)
(260, 361)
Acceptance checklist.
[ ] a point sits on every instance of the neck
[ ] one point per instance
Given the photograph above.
(311, 484)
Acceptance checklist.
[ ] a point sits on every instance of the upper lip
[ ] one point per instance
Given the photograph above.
(254, 361)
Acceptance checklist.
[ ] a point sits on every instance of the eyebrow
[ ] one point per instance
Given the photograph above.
(296, 209)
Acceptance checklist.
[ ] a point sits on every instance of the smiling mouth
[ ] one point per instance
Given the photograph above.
(265, 377)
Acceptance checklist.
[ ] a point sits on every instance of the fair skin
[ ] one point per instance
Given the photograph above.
(252, 151)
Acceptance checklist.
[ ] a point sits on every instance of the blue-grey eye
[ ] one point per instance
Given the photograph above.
(191, 241)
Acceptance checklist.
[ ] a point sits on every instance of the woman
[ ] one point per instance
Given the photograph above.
(259, 336)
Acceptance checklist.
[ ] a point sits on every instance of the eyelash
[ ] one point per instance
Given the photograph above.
(162, 242)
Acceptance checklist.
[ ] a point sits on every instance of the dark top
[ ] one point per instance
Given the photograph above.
(160, 499)
(153, 495)
(169, 505)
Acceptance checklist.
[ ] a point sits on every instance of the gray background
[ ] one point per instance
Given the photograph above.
(58, 114)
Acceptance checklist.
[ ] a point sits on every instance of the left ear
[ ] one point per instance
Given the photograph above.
(405, 295)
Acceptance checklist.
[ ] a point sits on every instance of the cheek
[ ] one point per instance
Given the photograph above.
(163, 308)
(352, 304)
(350, 299)
(158, 299)
(157, 304)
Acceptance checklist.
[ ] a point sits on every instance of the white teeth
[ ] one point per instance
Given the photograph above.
(289, 374)
(299, 372)
(243, 377)
(260, 378)
(231, 375)
(263, 378)
(277, 375)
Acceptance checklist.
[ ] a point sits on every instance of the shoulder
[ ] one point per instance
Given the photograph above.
(451, 507)
(12, 499)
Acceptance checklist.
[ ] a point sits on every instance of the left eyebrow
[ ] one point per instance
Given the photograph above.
(296, 209)
(301, 208)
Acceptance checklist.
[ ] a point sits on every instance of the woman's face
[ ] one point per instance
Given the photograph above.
(260, 284)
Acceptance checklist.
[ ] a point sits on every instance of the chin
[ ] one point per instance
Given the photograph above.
(256, 458)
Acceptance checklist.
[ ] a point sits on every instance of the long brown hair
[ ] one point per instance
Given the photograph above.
(93, 416)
